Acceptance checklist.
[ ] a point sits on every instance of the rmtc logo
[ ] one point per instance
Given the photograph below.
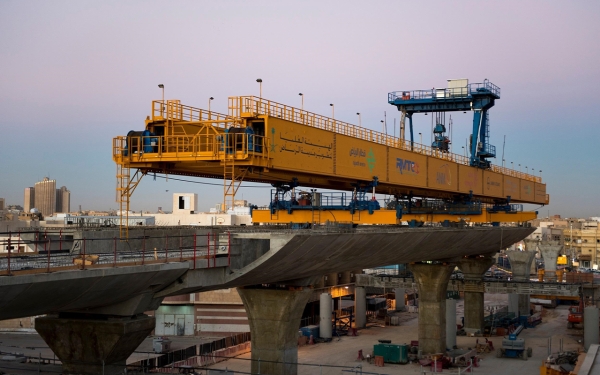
(409, 166)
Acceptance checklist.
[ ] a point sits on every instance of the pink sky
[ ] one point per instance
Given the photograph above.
(76, 74)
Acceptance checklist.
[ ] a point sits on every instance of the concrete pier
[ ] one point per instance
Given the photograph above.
(400, 299)
(274, 317)
(450, 323)
(473, 269)
(520, 264)
(432, 281)
(93, 344)
(360, 307)
(550, 251)
(325, 311)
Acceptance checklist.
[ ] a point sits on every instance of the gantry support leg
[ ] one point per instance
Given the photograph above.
(432, 281)
(274, 318)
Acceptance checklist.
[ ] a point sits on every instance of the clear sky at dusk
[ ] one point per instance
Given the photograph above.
(74, 74)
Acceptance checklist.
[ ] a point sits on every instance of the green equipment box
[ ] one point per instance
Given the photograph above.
(392, 353)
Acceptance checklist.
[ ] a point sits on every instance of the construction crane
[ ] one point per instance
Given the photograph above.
(460, 95)
(264, 141)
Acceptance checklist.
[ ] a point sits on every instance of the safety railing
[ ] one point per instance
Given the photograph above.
(204, 146)
(47, 255)
(174, 110)
(457, 93)
(240, 105)
(485, 86)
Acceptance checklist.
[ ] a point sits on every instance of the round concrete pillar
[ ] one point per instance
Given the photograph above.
(432, 281)
(400, 299)
(274, 318)
(590, 326)
(360, 307)
(332, 279)
(325, 311)
(450, 323)
(346, 278)
(513, 303)
(473, 269)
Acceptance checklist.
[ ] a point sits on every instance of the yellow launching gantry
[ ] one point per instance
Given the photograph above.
(264, 141)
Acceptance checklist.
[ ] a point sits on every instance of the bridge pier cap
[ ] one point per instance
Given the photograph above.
(550, 251)
(520, 263)
(93, 344)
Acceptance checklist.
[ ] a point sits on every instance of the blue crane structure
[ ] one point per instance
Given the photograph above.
(459, 96)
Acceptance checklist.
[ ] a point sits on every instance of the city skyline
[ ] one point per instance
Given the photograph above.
(76, 83)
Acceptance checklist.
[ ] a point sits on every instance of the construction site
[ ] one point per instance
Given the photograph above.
(307, 270)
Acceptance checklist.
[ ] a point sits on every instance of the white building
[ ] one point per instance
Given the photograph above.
(185, 212)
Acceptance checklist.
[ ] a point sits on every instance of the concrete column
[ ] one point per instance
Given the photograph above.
(590, 326)
(550, 251)
(332, 279)
(473, 269)
(400, 299)
(520, 265)
(360, 307)
(346, 278)
(326, 307)
(91, 345)
(450, 323)
(274, 318)
(432, 281)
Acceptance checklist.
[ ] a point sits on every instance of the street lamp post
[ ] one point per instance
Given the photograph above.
(162, 107)
(464, 151)
(302, 96)
(332, 110)
(420, 138)
(259, 80)
(540, 173)
(359, 122)
(209, 100)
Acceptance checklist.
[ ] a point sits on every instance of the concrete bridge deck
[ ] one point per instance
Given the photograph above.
(286, 257)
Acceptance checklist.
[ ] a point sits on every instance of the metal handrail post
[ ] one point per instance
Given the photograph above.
(194, 250)
(8, 259)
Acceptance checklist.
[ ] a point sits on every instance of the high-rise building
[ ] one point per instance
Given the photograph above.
(63, 200)
(29, 201)
(2, 204)
(45, 196)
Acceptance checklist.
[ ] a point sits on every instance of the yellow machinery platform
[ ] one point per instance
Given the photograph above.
(263, 141)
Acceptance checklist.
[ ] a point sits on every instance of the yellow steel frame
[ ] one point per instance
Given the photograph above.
(126, 184)
(381, 217)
